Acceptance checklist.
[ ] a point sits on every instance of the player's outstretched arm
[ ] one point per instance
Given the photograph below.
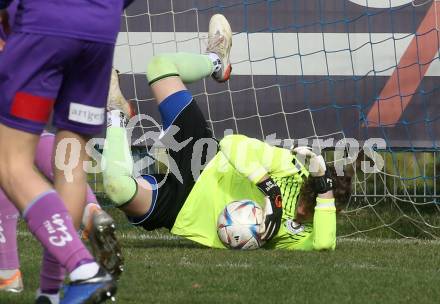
(324, 219)
(324, 223)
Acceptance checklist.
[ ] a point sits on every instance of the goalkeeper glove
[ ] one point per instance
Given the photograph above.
(273, 210)
(321, 180)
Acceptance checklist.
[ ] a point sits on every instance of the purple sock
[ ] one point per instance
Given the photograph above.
(8, 234)
(50, 222)
(43, 161)
(43, 154)
(51, 275)
(91, 197)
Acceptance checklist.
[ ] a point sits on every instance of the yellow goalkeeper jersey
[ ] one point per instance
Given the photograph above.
(231, 175)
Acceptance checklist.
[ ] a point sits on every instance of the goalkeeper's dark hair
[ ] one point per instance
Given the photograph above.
(341, 189)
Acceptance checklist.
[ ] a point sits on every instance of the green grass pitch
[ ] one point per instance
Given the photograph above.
(163, 269)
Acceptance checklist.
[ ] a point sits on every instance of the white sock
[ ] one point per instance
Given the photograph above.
(216, 62)
(116, 118)
(53, 298)
(85, 271)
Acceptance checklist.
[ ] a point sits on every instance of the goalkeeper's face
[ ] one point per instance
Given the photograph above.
(305, 210)
(303, 213)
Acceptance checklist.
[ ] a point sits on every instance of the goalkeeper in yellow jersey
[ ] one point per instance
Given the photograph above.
(299, 204)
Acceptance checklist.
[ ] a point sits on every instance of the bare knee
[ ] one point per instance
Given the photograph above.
(11, 171)
(15, 183)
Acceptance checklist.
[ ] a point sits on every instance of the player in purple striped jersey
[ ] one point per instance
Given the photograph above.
(57, 60)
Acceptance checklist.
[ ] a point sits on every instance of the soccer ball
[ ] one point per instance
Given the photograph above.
(239, 223)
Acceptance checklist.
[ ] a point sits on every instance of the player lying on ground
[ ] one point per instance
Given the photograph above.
(53, 54)
(303, 203)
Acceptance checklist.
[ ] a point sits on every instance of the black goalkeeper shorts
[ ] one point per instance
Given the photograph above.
(172, 194)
